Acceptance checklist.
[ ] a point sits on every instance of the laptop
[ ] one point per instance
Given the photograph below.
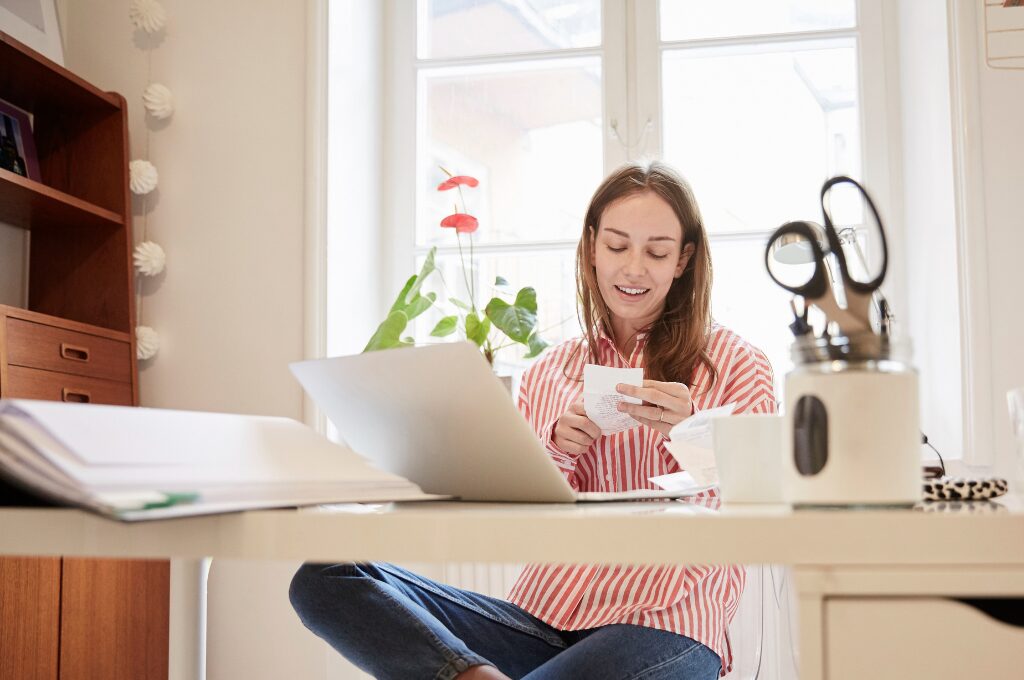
(439, 417)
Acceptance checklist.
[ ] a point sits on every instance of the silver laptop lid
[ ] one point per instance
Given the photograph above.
(438, 416)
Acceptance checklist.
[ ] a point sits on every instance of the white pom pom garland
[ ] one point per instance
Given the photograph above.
(142, 177)
(159, 101)
(147, 342)
(148, 15)
(149, 258)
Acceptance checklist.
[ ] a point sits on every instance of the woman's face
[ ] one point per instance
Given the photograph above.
(637, 255)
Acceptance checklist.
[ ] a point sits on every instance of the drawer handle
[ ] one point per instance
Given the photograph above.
(72, 395)
(73, 352)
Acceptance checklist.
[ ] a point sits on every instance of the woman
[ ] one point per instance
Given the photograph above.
(644, 279)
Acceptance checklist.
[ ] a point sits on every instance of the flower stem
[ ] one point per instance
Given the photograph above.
(465, 276)
(472, 260)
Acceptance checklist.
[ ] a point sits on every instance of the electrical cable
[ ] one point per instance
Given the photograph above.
(942, 463)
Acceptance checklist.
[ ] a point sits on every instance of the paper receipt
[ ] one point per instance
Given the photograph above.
(601, 400)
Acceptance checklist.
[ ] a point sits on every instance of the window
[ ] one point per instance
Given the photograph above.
(755, 103)
(760, 103)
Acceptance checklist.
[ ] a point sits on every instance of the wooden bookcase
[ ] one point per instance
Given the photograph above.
(61, 618)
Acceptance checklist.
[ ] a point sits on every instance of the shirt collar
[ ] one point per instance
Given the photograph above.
(604, 338)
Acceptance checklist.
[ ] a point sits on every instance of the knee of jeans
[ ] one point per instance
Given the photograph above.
(310, 586)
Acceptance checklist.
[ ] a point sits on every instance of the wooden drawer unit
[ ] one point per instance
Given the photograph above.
(32, 383)
(43, 357)
(53, 348)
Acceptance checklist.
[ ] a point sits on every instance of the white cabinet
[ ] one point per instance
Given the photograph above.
(925, 637)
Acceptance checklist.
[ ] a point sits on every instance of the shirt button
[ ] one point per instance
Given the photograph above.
(608, 478)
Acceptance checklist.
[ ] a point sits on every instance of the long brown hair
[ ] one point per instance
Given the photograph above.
(677, 341)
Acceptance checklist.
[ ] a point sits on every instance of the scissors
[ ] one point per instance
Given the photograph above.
(817, 288)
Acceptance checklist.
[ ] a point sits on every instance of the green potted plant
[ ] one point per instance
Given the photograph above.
(504, 321)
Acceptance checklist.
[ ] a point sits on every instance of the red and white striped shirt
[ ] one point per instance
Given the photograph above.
(695, 601)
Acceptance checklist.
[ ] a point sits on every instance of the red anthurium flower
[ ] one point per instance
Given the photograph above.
(463, 223)
(453, 182)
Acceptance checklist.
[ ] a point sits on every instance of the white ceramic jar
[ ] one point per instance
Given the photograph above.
(851, 433)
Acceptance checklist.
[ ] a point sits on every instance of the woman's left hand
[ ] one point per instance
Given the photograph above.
(664, 404)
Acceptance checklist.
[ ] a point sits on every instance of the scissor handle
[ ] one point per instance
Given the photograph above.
(818, 284)
(865, 287)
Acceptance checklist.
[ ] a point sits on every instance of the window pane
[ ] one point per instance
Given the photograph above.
(746, 300)
(551, 274)
(530, 132)
(464, 28)
(693, 19)
(757, 132)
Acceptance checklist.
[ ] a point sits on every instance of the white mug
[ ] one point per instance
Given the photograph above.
(748, 455)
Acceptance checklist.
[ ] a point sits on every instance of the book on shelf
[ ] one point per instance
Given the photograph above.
(133, 464)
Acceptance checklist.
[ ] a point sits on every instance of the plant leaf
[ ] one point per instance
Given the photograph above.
(411, 291)
(460, 304)
(445, 326)
(400, 303)
(388, 333)
(500, 281)
(536, 344)
(527, 299)
(421, 304)
(428, 266)
(515, 321)
(477, 329)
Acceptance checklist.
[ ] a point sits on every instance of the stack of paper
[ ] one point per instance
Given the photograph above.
(690, 444)
(141, 463)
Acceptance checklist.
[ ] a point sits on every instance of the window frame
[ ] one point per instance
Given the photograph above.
(631, 58)
(632, 113)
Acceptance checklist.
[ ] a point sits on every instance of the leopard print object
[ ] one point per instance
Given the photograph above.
(964, 488)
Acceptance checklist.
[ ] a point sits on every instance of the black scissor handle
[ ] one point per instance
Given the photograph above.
(818, 284)
(834, 245)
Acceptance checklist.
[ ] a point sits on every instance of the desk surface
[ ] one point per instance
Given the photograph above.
(664, 532)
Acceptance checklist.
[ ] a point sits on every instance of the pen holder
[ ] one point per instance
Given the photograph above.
(851, 432)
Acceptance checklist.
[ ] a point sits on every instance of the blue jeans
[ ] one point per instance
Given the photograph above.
(393, 623)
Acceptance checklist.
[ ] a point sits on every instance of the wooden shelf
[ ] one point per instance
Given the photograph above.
(31, 81)
(27, 204)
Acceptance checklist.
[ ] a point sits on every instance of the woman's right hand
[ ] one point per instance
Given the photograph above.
(574, 431)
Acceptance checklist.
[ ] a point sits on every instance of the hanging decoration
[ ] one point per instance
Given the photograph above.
(159, 101)
(142, 177)
(147, 342)
(149, 258)
(147, 15)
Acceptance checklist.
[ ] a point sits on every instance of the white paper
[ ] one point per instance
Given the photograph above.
(107, 458)
(601, 399)
(690, 444)
(696, 430)
(678, 481)
(698, 461)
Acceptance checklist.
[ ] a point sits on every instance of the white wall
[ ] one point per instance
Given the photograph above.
(229, 207)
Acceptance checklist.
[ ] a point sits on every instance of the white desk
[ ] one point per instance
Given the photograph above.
(867, 579)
